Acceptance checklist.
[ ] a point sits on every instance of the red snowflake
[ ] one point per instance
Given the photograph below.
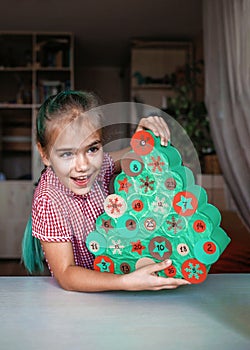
(156, 163)
(114, 205)
(174, 224)
(147, 184)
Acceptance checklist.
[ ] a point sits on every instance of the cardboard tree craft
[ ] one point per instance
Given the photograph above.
(156, 213)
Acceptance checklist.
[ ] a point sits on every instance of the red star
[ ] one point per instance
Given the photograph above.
(124, 185)
(137, 247)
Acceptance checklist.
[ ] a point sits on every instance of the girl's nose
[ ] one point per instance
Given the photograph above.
(81, 162)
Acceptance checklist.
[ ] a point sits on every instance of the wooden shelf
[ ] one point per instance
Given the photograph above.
(152, 87)
(29, 61)
(153, 67)
(15, 105)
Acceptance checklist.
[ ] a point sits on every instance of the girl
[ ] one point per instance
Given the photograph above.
(70, 196)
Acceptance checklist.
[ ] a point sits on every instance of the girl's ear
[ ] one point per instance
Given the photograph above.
(43, 155)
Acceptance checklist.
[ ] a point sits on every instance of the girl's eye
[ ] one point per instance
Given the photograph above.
(93, 149)
(66, 155)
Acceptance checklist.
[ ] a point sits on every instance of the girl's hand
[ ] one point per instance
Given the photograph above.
(158, 126)
(146, 278)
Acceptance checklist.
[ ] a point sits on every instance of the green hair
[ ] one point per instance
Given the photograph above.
(32, 253)
(55, 108)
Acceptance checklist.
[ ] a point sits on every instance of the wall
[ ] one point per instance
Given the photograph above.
(111, 84)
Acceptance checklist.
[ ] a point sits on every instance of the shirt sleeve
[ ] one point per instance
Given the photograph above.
(49, 222)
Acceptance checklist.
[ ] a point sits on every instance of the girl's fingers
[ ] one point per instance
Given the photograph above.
(158, 126)
(163, 282)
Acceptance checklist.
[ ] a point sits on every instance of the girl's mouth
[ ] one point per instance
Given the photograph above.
(81, 181)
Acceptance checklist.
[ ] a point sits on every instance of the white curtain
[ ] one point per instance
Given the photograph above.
(226, 26)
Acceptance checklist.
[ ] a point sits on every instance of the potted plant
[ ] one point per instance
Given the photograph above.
(188, 111)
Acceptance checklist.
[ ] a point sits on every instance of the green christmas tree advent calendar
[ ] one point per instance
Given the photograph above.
(156, 213)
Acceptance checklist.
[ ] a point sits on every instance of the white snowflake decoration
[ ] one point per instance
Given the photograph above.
(160, 205)
(117, 247)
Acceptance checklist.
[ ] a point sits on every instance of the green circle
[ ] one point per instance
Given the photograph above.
(204, 257)
(96, 243)
(127, 226)
(175, 225)
(135, 166)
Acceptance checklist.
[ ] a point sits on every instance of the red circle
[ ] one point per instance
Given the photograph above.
(142, 142)
(105, 259)
(170, 271)
(194, 271)
(185, 203)
(209, 247)
(199, 226)
(137, 205)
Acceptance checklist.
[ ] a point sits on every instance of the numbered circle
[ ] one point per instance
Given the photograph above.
(174, 225)
(96, 243)
(199, 226)
(137, 205)
(115, 206)
(149, 224)
(209, 247)
(142, 142)
(194, 271)
(160, 248)
(206, 251)
(132, 164)
(183, 249)
(170, 184)
(185, 203)
(127, 225)
(103, 263)
(170, 271)
(135, 167)
(125, 268)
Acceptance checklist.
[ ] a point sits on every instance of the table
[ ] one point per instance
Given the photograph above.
(37, 314)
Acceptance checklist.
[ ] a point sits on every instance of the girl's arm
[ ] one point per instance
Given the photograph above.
(154, 123)
(71, 277)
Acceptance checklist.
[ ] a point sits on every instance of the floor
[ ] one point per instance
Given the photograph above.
(236, 257)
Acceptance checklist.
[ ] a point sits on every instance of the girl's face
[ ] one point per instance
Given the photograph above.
(76, 156)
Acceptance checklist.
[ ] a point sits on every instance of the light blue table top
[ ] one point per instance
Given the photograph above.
(37, 314)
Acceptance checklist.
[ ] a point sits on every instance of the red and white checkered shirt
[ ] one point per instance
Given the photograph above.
(59, 215)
